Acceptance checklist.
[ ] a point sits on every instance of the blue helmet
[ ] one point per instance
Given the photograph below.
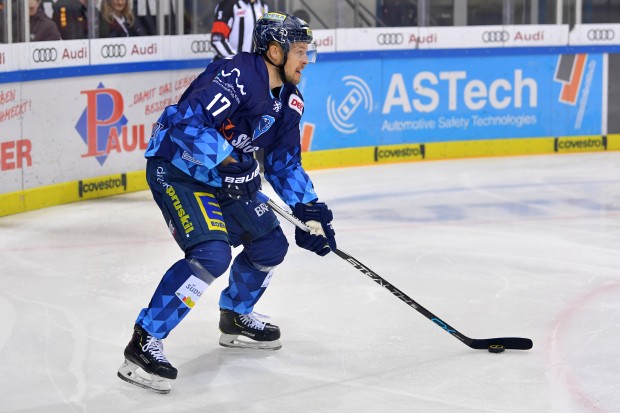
(281, 28)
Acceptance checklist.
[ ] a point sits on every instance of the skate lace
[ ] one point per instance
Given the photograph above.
(252, 320)
(156, 348)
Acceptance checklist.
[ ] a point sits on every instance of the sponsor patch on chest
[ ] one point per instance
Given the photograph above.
(296, 103)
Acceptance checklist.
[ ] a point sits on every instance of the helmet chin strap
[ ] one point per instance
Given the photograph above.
(279, 67)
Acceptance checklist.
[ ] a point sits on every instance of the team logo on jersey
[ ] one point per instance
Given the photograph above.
(263, 126)
(277, 106)
(296, 104)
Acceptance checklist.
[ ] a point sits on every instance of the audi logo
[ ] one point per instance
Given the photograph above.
(44, 55)
(390, 39)
(601, 34)
(497, 36)
(200, 46)
(109, 51)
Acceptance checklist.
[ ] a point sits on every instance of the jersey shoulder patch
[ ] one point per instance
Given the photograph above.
(296, 103)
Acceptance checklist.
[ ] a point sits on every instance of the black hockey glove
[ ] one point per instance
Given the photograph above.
(240, 180)
(318, 217)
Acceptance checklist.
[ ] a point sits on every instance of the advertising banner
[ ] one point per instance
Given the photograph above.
(81, 127)
(422, 100)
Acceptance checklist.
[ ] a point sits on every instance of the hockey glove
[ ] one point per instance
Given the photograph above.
(240, 180)
(317, 217)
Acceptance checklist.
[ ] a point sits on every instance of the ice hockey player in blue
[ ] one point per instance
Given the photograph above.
(203, 176)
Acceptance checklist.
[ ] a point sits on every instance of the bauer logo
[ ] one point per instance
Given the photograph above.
(581, 144)
(356, 101)
(94, 188)
(191, 291)
(399, 153)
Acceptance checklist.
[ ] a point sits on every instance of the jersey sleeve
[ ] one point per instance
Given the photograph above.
(283, 169)
(188, 133)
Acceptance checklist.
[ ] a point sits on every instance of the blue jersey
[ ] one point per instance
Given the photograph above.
(230, 110)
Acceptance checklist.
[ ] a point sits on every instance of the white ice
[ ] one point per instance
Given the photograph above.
(519, 246)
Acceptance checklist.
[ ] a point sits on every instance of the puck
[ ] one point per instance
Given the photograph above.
(496, 348)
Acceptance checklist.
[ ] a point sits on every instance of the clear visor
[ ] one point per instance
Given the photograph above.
(312, 52)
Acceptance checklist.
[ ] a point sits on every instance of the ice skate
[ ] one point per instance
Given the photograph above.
(145, 364)
(247, 331)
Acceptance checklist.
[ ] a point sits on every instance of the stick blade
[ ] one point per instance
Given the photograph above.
(509, 343)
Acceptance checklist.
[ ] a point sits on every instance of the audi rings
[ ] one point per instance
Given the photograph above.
(496, 36)
(601, 34)
(44, 55)
(109, 51)
(201, 46)
(390, 39)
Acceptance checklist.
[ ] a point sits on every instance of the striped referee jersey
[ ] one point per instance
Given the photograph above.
(233, 26)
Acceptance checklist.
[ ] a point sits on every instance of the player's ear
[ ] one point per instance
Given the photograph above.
(275, 52)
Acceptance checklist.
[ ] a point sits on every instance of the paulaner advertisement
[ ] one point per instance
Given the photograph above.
(423, 100)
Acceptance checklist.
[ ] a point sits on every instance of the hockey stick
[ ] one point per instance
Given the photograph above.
(494, 345)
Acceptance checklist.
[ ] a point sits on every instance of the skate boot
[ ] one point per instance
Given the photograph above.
(145, 364)
(247, 331)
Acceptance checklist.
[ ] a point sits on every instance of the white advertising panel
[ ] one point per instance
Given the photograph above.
(9, 57)
(127, 50)
(403, 38)
(41, 55)
(193, 46)
(595, 34)
(325, 40)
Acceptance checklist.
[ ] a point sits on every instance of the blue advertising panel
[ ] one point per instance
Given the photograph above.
(421, 100)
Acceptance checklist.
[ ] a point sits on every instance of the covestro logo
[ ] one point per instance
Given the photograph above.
(399, 153)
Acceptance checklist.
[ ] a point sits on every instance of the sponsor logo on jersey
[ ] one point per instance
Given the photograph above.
(191, 290)
(295, 103)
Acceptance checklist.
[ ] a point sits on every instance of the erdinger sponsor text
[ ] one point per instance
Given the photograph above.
(581, 144)
(102, 186)
(399, 153)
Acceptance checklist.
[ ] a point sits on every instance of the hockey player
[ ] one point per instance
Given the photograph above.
(233, 26)
(204, 178)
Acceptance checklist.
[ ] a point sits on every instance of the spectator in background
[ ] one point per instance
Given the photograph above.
(71, 18)
(42, 28)
(117, 20)
(233, 26)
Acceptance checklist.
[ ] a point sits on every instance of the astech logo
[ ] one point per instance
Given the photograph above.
(495, 36)
(49, 54)
(390, 39)
(200, 46)
(601, 34)
(109, 51)
(359, 94)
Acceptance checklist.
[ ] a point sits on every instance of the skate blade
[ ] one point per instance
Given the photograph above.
(237, 341)
(134, 374)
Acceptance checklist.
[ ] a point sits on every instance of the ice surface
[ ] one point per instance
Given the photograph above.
(520, 246)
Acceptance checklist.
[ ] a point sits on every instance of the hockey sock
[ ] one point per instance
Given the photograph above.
(246, 285)
(179, 289)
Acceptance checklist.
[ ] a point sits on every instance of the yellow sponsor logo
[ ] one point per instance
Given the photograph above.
(184, 217)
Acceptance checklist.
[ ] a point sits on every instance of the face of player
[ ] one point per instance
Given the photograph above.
(296, 62)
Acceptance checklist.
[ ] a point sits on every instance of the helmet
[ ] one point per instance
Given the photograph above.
(281, 28)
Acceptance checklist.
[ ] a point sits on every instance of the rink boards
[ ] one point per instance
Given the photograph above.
(75, 116)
